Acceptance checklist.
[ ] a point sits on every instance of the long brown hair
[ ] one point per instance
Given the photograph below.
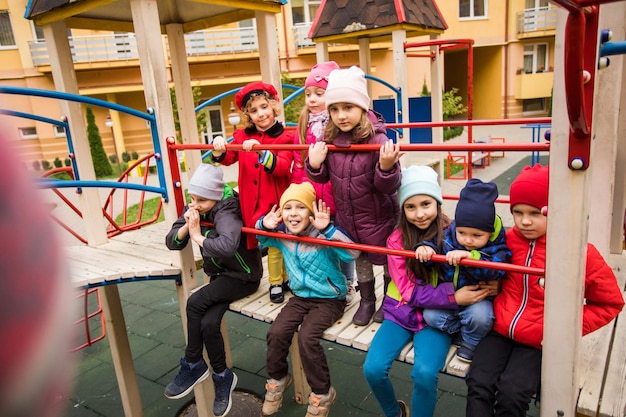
(303, 123)
(360, 133)
(412, 235)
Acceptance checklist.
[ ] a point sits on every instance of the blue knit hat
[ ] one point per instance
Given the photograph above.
(419, 179)
(476, 206)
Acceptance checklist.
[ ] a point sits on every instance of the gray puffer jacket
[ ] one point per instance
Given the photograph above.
(365, 196)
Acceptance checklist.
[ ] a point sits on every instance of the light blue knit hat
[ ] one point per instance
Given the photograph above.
(419, 179)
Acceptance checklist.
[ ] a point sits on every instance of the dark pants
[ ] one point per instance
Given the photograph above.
(503, 378)
(205, 309)
(313, 316)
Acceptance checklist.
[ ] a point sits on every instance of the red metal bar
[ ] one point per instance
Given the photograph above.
(398, 252)
(540, 147)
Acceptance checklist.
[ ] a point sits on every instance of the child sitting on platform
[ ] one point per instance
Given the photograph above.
(319, 289)
(234, 271)
(476, 233)
(506, 370)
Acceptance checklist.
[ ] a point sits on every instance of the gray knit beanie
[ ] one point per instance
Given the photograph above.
(207, 182)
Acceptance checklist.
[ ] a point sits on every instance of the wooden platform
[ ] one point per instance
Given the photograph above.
(142, 255)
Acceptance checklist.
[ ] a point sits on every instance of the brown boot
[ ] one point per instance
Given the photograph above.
(379, 316)
(367, 306)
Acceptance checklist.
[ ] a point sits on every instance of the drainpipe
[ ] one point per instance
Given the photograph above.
(506, 59)
(287, 56)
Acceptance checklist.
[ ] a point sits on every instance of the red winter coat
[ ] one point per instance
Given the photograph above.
(519, 307)
(259, 188)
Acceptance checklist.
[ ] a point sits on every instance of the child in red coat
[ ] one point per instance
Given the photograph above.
(263, 175)
(506, 370)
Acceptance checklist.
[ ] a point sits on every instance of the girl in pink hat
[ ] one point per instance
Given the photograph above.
(311, 124)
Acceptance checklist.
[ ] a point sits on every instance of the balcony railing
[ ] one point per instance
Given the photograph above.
(301, 34)
(123, 47)
(536, 20)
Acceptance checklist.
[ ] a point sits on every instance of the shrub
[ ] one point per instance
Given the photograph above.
(113, 159)
(57, 162)
(68, 162)
(452, 106)
(125, 157)
(37, 165)
(46, 165)
(134, 155)
(101, 164)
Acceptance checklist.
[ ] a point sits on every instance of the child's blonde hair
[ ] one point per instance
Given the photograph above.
(245, 116)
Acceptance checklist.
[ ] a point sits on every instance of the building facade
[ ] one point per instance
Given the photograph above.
(513, 44)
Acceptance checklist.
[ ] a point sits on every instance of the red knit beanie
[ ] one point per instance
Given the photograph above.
(531, 187)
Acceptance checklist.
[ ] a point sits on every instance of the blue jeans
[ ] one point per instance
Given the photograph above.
(347, 268)
(474, 321)
(430, 347)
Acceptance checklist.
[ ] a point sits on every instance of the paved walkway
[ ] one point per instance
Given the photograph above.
(157, 342)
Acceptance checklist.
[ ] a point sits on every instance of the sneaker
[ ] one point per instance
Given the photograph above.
(404, 409)
(277, 294)
(188, 376)
(275, 388)
(319, 405)
(350, 294)
(224, 386)
(465, 352)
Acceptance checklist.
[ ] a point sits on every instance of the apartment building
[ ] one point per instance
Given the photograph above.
(513, 44)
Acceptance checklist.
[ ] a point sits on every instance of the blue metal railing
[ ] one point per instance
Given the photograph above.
(149, 117)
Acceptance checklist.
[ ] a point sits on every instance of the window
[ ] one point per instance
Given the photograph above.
(59, 131)
(533, 106)
(535, 58)
(28, 132)
(472, 8)
(7, 39)
(37, 32)
(304, 11)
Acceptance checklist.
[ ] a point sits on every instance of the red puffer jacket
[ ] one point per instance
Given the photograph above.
(519, 307)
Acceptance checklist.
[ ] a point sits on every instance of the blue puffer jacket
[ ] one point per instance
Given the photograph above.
(365, 196)
(494, 251)
(314, 270)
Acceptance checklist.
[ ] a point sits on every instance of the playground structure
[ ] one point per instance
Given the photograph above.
(585, 192)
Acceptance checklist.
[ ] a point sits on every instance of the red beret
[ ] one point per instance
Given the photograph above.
(258, 87)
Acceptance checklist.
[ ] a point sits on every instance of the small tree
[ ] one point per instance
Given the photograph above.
(452, 106)
(101, 164)
(57, 162)
(294, 108)
(425, 91)
(201, 122)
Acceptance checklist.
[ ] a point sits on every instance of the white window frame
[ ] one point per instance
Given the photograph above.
(24, 132)
(59, 131)
(10, 23)
(471, 10)
(35, 28)
(536, 65)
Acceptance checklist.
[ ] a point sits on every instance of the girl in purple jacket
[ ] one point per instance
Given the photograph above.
(364, 183)
(413, 287)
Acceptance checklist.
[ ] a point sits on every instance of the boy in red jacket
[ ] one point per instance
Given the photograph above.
(506, 371)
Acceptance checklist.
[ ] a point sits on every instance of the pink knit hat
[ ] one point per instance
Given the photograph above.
(318, 76)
